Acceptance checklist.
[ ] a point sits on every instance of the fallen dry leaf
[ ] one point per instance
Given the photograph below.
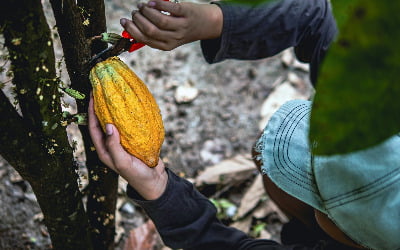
(244, 224)
(228, 172)
(287, 57)
(122, 183)
(267, 207)
(281, 94)
(264, 234)
(143, 237)
(119, 230)
(252, 197)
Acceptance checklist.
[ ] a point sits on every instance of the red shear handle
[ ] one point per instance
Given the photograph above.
(134, 46)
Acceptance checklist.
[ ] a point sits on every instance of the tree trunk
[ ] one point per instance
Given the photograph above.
(75, 38)
(36, 144)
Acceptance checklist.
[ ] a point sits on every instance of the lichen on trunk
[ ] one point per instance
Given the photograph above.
(36, 144)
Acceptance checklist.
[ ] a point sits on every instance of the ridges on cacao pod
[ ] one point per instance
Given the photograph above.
(121, 98)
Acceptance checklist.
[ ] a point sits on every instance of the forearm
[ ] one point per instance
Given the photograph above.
(211, 26)
(186, 219)
(183, 217)
(263, 31)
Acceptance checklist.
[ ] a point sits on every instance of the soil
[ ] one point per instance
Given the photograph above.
(221, 122)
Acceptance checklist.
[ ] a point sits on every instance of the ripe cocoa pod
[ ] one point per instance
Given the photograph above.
(121, 98)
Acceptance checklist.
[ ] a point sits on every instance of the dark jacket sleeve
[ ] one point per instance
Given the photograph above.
(262, 31)
(186, 219)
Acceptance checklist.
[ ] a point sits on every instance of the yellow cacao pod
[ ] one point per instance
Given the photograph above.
(121, 98)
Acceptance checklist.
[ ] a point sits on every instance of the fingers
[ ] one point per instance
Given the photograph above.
(117, 153)
(149, 28)
(150, 36)
(113, 139)
(159, 19)
(107, 145)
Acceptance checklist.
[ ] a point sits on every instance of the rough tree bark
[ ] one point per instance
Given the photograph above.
(36, 144)
(38, 147)
(75, 38)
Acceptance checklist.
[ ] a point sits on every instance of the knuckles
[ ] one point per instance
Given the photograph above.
(163, 23)
(177, 9)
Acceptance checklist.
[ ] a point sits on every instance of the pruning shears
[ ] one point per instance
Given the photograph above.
(120, 43)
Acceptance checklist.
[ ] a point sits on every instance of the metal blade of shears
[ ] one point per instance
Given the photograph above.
(122, 45)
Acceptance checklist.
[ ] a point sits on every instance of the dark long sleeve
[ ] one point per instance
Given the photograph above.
(258, 32)
(186, 219)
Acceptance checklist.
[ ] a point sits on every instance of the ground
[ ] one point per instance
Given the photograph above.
(222, 121)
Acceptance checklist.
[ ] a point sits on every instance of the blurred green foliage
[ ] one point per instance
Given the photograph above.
(252, 2)
(357, 101)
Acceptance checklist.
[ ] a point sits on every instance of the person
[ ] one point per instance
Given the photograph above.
(335, 202)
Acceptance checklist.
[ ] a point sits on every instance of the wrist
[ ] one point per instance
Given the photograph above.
(216, 20)
(159, 187)
(212, 28)
(151, 183)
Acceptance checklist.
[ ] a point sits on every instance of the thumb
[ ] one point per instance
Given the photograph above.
(113, 143)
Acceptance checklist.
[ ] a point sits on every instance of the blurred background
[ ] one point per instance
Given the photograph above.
(213, 114)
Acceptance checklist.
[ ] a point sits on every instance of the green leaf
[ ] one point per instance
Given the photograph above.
(257, 229)
(74, 93)
(357, 102)
(225, 208)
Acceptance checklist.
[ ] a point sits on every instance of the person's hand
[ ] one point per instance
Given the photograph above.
(150, 183)
(186, 23)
